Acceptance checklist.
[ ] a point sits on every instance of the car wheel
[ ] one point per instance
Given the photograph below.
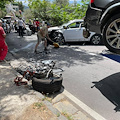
(49, 85)
(111, 34)
(60, 39)
(96, 39)
(52, 36)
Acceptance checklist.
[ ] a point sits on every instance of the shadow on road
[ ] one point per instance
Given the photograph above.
(66, 55)
(74, 55)
(110, 88)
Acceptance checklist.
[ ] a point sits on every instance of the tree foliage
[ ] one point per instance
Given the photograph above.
(59, 11)
(28, 16)
(21, 6)
(2, 12)
(2, 7)
(61, 2)
(39, 8)
(4, 2)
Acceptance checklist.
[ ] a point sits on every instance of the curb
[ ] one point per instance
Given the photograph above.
(60, 104)
(38, 94)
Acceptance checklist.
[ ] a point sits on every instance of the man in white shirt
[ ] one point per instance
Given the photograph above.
(21, 26)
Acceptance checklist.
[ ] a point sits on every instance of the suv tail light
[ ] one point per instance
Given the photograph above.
(91, 1)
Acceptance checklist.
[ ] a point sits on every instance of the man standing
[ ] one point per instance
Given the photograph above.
(34, 25)
(3, 46)
(42, 35)
(21, 26)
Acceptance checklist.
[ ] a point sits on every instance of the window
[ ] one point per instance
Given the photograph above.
(74, 25)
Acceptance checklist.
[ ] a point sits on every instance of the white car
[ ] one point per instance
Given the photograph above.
(73, 32)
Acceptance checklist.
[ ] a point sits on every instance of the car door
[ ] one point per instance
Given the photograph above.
(73, 32)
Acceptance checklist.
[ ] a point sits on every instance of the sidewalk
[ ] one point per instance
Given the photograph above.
(23, 103)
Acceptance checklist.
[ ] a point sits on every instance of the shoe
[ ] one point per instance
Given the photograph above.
(45, 49)
(46, 52)
(36, 52)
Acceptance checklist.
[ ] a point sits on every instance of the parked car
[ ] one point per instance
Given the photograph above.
(72, 32)
(103, 16)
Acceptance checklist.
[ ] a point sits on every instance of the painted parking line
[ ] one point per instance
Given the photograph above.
(112, 56)
(108, 54)
(87, 109)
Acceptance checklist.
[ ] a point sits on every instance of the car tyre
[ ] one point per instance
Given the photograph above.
(96, 39)
(111, 34)
(53, 36)
(60, 39)
(47, 85)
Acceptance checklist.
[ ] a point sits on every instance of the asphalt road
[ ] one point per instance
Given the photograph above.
(88, 75)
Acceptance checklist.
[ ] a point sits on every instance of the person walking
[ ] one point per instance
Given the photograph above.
(21, 26)
(37, 24)
(3, 45)
(42, 35)
(30, 23)
(34, 25)
(15, 25)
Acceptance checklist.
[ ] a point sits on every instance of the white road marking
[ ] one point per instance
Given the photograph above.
(16, 50)
(88, 110)
(92, 53)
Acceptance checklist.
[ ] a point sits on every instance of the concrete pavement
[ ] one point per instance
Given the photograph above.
(15, 99)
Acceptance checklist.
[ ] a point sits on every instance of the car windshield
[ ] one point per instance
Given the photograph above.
(66, 24)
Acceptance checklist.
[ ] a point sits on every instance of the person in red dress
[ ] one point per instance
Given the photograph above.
(3, 45)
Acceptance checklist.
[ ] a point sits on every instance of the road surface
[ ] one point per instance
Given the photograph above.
(89, 76)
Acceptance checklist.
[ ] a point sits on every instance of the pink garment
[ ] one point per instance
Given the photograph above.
(3, 46)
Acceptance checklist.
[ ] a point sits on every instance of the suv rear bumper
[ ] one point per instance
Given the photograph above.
(92, 18)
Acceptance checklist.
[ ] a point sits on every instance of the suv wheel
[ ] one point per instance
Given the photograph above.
(60, 39)
(96, 39)
(111, 34)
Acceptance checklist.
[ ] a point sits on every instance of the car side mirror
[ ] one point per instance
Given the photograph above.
(65, 27)
(80, 27)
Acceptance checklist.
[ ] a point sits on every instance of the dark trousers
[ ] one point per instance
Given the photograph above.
(20, 31)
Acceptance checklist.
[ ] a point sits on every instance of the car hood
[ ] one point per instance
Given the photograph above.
(53, 28)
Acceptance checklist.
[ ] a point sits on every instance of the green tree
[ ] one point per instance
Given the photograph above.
(21, 6)
(75, 2)
(28, 15)
(57, 12)
(61, 2)
(2, 7)
(55, 15)
(39, 8)
(4, 2)
(2, 12)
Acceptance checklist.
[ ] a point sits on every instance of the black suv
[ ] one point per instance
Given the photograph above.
(103, 16)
